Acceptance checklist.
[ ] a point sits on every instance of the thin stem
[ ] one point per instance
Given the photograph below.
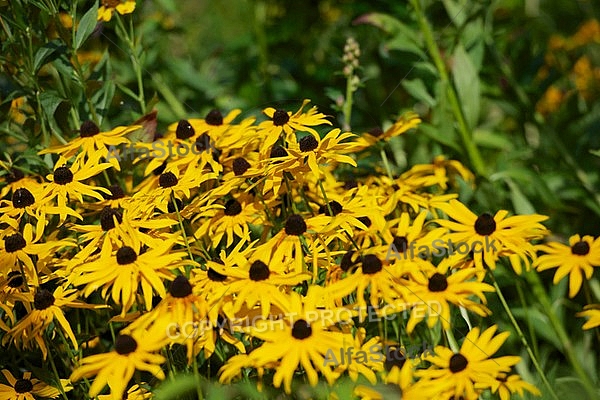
(534, 360)
(463, 129)
(187, 244)
(347, 108)
(386, 163)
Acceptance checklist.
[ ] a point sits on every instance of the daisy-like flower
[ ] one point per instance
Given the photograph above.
(108, 7)
(404, 123)
(16, 179)
(136, 350)
(302, 338)
(125, 270)
(441, 171)
(46, 310)
(577, 260)
(593, 312)
(13, 290)
(506, 385)
(285, 122)
(491, 236)
(463, 373)
(135, 392)
(66, 183)
(28, 388)
(94, 144)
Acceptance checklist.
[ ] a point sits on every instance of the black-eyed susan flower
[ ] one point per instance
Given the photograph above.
(13, 289)
(134, 351)
(16, 179)
(506, 385)
(494, 235)
(404, 123)
(577, 260)
(108, 7)
(29, 388)
(592, 311)
(471, 368)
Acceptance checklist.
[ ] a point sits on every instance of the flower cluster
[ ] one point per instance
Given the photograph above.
(265, 219)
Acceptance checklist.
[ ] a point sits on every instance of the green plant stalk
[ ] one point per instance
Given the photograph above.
(135, 60)
(534, 360)
(465, 134)
(347, 108)
(540, 293)
(386, 163)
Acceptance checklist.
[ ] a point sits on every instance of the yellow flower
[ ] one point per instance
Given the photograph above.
(108, 7)
(506, 385)
(28, 388)
(20, 110)
(404, 123)
(592, 311)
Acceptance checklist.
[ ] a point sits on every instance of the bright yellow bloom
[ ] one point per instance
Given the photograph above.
(593, 312)
(108, 7)
(28, 388)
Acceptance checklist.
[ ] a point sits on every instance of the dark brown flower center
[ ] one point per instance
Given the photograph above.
(377, 131)
(346, 263)
(203, 142)
(15, 279)
(308, 143)
(43, 299)
(240, 166)
(180, 287)
(280, 117)
(350, 184)
(15, 175)
(23, 386)
(295, 225)
(22, 198)
(437, 283)
(394, 358)
(167, 180)
(336, 208)
(88, 129)
(171, 206)
(301, 329)
(215, 276)
(160, 169)
(125, 344)
(278, 151)
(14, 242)
(233, 207)
(63, 175)
(126, 255)
(485, 224)
(184, 130)
(458, 362)
(214, 117)
(115, 192)
(580, 248)
(106, 218)
(371, 264)
(400, 243)
(259, 271)
(365, 220)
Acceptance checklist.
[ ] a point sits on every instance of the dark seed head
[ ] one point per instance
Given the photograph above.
(180, 287)
(240, 166)
(394, 358)
(171, 207)
(126, 255)
(458, 362)
(350, 184)
(23, 386)
(400, 243)
(336, 208)
(115, 193)
(233, 207)
(43, 299)
(301, 329)
(259, 271)
(106, 218)
(280, 117)
(14, 175)
(14, 242)
(215, 276)
(22, 198)
(371, 264)
(377, 131)
(365, 220)
(160, 169)
(88, 129)
(214, 117)
(156, 299)
(485, 224)
(63, 175)
(437, 283)
(278, 151)
(580, 248)
(167, 180)
(346, 263)
(295, 225)
(184, 130)
(203, 142)
(308, 143)
(125, 344)
(15, 279)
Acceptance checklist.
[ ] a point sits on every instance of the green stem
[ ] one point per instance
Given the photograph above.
(463, 129)
(347, 109)
(534, 360)
(386, 163)
(135, 61)
(540, 293)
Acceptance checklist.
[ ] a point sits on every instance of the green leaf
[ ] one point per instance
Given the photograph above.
(456, 11)
(439, 136)
(417, 89)
(520, 203)
(494, 140)
(50, 100)
(595, 152)
(43, 54)
(466, 81)
(86, 26)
